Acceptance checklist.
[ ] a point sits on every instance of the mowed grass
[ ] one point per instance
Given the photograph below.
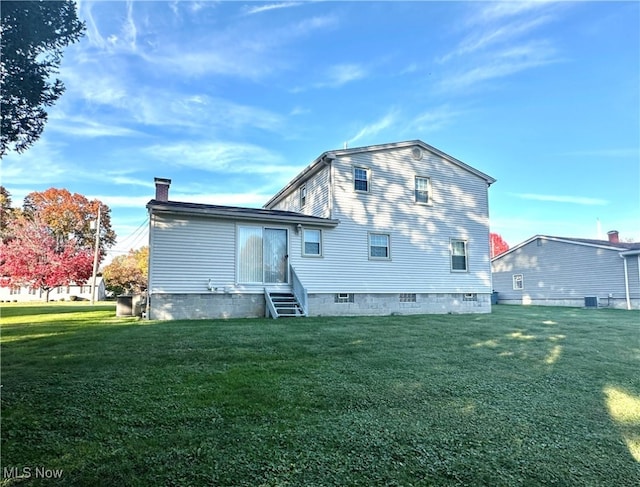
(524, 396)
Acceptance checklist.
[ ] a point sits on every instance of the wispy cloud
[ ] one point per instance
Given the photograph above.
(504, 63)
(577, 200)
(341, 74)
(501, 41)
(434, 119)
(123, 201)
(227, 60)
(93, 32)
(622, 152)
(478, 41)
(215, 157)
(88, 84)
(84, 127)
(122, 38)
(129, 28)
(43, 163)
(270, 6)
(499, 11)
(374, 128)
(123, 178)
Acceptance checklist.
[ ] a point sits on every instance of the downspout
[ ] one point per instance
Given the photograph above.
(148, 305)
(626, 281)
(328, 160)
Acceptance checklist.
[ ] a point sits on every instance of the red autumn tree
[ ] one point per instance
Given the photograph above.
(34, 257)
(498, 245)
(71, 216)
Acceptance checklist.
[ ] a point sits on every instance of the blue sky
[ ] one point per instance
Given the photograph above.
(230, 100)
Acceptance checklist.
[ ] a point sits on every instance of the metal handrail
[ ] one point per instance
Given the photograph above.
(271, 308)
(299, 291)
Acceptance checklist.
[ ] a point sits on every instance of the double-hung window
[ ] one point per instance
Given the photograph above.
(423, 190)
(361, 179)
(518, 282)
(379, 246)
(303, 195)
(311, 243)
(459, 257)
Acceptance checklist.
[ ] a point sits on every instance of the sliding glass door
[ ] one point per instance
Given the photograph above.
(262, 255)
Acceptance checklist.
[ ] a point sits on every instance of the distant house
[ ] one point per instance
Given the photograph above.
(60, 293)
(393, 228)
(561, 271)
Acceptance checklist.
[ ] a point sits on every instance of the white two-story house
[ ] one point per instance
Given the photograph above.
(393, 228)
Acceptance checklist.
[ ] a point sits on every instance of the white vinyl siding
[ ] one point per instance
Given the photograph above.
(316, 196)
(185, 252)
(560, 270)
(420, 234)
(188, 251)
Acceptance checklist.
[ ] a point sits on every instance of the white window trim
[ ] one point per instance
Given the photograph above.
(263, 228)
(371, 257)
(466, 255)
(302, 241)
(367, 170)
(303, 195)
(429, 193)
(516, 288)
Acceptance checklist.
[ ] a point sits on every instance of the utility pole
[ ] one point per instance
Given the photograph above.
(95, 259)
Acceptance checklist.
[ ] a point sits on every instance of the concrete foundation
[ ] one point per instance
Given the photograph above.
(216, 306)
(613, 303)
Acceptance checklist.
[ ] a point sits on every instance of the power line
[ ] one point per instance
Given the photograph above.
(133, 240)
(136, 234)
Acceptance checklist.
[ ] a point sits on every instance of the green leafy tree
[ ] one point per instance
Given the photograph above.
(32, 37)
(7, 214)
(127, 273)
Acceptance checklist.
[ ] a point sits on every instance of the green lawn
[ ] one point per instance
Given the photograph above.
(522, 397)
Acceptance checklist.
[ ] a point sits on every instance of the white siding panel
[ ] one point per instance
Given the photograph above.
(187, 252)
(420, 234)
(317, 196)
(559, 270)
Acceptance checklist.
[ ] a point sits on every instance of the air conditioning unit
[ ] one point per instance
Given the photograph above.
(591, 301)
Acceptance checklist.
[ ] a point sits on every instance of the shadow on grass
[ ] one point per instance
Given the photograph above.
(584, 350)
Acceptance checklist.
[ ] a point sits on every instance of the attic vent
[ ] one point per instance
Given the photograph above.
(591, 301)
(416, 153)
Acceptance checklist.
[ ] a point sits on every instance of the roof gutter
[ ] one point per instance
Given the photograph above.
(240, 216)
(325, 157)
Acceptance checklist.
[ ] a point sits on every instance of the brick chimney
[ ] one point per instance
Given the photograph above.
(613, 236)
(162, 189)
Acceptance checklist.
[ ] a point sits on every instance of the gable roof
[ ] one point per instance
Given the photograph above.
(238, 213)
(328, 156)
(623, 247)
